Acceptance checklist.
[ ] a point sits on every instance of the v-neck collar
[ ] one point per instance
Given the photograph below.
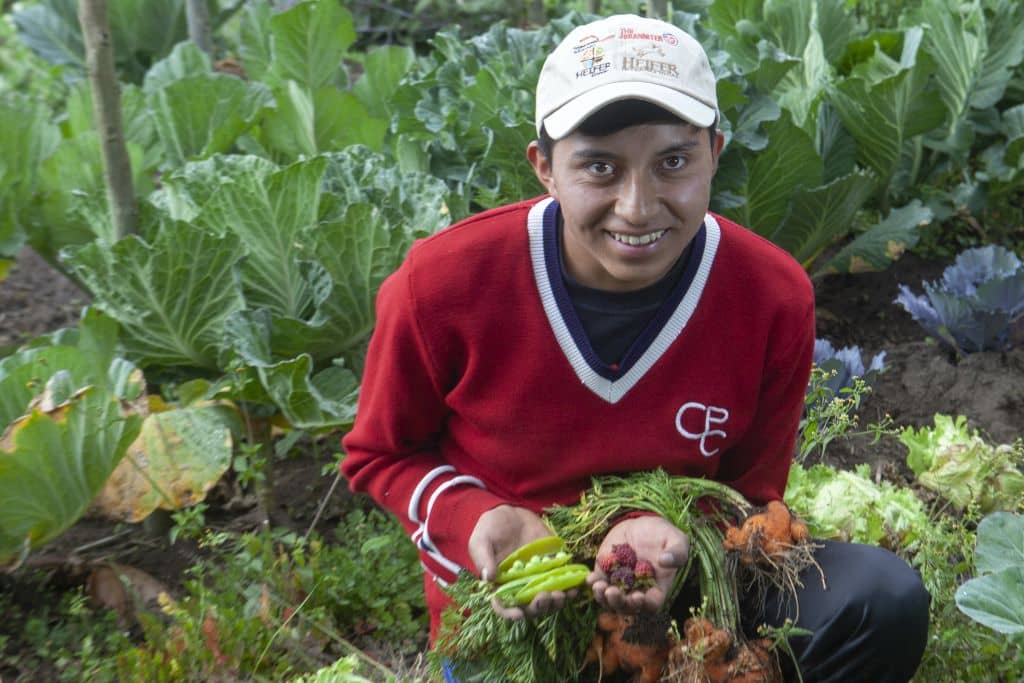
(609, 383)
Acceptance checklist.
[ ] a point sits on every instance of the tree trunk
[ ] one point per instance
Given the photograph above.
(106, 106)
(594, 6)
(198, 13)
(657, 9)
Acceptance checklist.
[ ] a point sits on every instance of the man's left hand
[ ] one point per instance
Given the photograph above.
(654, 539)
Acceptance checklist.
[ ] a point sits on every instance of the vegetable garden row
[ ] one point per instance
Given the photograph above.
(281, 175)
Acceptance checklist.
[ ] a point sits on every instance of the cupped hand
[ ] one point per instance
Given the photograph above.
(654, 539)
(499, 532)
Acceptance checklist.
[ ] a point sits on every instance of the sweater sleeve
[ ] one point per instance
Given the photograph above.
(393, 453)
(758, 466)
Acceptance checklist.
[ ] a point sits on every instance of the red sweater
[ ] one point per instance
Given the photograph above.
(480, 387)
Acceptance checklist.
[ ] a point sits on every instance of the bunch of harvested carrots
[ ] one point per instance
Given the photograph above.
(647, 648)
(580, 643)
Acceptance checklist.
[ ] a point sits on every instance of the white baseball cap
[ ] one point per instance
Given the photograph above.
(625, 57)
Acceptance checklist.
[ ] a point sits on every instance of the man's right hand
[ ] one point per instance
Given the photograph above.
(499, 532)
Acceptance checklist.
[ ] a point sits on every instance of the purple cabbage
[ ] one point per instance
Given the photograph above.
(978, 305)
(847, 363)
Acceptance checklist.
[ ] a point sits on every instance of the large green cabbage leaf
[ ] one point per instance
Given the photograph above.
(885, 103)
(995, 598)
(267, 211)
(170, 296)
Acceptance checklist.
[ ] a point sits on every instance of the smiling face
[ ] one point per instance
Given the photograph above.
(631, 201)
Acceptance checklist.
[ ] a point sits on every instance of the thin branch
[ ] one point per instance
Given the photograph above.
(101, 541)
(323, 503)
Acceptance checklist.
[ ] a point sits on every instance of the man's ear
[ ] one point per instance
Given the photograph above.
(716, 150)
(541, 167)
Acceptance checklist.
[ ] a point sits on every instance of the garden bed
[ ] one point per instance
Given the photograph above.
(920, 380)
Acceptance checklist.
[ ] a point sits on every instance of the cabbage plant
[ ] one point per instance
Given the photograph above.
(78, 430)
(995, 598)
(260, 279)
(977, 305)
(844, 365)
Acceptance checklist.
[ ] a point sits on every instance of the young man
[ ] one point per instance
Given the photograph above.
(611, 326)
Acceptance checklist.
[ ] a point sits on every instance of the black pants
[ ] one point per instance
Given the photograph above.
(869, 624)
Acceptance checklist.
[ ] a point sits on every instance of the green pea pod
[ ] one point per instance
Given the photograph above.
(507, 593)
(523, 591)
(537, 564)
(549, 545)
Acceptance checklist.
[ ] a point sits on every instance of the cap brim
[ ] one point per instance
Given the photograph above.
(566, 118)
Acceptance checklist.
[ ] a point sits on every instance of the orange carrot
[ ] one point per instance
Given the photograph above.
(771, 532)
(618, 650)
(709, 655)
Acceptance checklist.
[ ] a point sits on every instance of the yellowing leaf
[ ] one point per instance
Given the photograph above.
(860, 265)
(177, 458)
(894, 249)
(157, 404)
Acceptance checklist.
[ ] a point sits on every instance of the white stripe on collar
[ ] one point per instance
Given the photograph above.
(613, 390)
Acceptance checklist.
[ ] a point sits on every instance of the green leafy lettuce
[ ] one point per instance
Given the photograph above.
(959, 465)
(849, 506)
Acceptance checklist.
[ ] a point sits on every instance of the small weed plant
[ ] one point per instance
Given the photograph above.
(188, 522)
(58, 637)
(268, 606)
(831, 414)
(275, 605)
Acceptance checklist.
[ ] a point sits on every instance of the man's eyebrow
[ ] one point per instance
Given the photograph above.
(598, 154)
(679, 147)
(591, 154)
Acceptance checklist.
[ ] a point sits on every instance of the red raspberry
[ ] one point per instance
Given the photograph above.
(607, 564)
(624, 554)
(644, 572)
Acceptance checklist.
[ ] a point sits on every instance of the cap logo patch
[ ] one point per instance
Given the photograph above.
(627, 33)
(650, 66)
(591, 56)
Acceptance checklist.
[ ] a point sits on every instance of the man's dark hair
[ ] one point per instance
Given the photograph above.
(618, 116)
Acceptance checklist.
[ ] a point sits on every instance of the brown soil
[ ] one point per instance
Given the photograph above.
(920, 378)
(35, 299)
